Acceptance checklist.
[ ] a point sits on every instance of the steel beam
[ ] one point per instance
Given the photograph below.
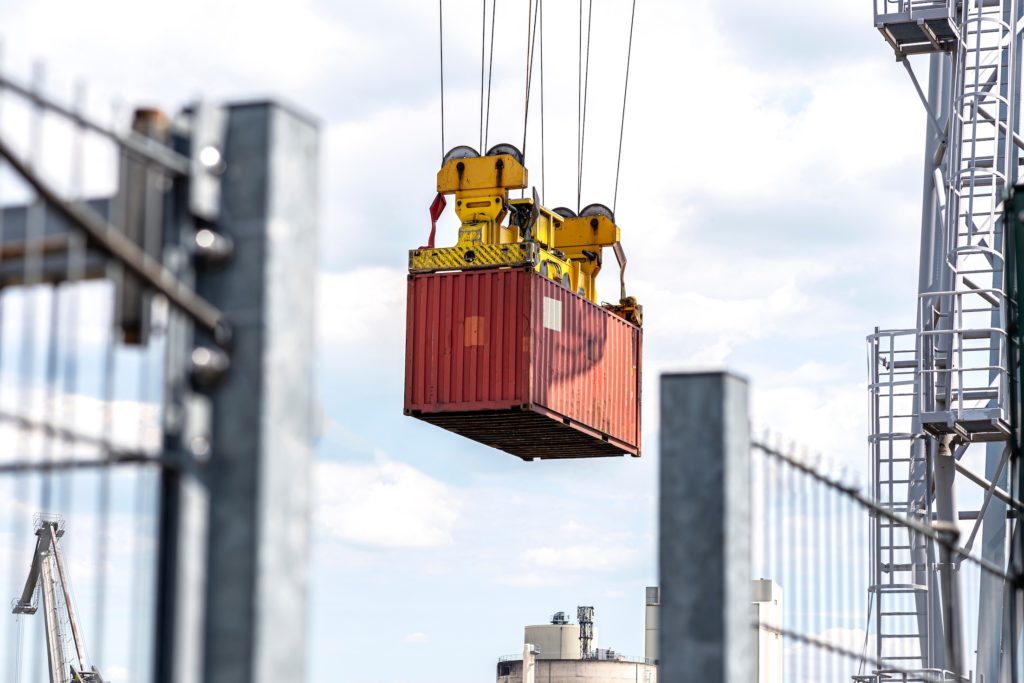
(704, 536)
(933, 276)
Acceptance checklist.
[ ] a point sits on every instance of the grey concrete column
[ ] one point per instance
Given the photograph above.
(704, 536)
(263, 412)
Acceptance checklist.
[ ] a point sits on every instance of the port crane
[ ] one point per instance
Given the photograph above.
(48, 577)
(507, 341)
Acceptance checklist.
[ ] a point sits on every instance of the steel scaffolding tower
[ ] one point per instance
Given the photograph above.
(941, 400)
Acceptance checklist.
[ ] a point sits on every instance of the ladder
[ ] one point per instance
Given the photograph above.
(962, 339)
(900, 571)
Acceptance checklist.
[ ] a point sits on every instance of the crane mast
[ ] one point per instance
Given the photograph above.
(941, 409)
(48, 578)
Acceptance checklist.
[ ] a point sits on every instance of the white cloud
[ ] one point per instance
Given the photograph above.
(385, 504)
(739, 179)
(591, 557)
(117, 674)
(361, 306)
(416, 638)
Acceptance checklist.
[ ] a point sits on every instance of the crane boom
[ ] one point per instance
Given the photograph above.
(46, 572)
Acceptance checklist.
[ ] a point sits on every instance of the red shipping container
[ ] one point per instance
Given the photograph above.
(513, 360)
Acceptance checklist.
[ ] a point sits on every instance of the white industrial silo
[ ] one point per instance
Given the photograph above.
(557, 640)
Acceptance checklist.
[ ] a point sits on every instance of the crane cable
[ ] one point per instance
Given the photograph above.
(483, 48)
(582, 116)
(579, 101)
(490, 72)
(625, 91)
(531, 39)
(543, 174)
(440, 14)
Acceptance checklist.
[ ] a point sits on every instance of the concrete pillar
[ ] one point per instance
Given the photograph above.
(263, 413)
(704, 536)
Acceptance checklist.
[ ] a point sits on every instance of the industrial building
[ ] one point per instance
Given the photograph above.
(563, 652)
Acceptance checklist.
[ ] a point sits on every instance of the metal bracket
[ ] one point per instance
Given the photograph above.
(207, 129)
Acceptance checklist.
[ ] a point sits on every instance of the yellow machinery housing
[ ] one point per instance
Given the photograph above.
(558, 244)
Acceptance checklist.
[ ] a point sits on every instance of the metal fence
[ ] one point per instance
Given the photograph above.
(854, 582)
(155, 380)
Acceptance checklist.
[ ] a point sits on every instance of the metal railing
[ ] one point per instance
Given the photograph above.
(966, 384)
(913, 7)
(812, 532)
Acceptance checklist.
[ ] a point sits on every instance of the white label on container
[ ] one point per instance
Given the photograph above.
(552, 314)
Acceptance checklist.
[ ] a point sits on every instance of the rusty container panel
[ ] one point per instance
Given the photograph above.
(512, 360)
(586, 364)
(464, 341)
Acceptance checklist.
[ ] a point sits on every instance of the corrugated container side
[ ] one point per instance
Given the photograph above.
(586, 362)
(464, 341)
(513, 360)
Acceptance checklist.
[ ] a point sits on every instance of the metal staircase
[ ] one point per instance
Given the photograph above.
(946, 383)
(962, 340)
(900, 576)
(949, 377)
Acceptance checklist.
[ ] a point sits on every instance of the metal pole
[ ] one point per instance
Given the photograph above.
(933, 275)
(704, 538)
(950, 598)
(263, 408)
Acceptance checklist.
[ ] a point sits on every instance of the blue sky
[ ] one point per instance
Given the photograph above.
(769, 204)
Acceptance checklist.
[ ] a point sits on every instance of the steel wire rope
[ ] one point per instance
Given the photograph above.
(543, 173)
(490, 74)
(625, 91)
(483, 51)
(531, 37)
(440, 42)
(583, 110)
(579, 99)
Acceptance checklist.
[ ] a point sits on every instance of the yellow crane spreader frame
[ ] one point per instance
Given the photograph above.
(567, 250)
